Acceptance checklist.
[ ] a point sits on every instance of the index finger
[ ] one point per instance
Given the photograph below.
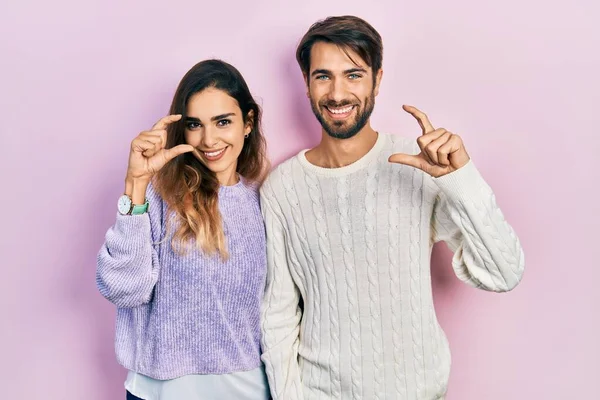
(165, 121)
(421, 118)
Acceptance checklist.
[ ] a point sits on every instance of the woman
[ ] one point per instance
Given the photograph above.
(185, 262)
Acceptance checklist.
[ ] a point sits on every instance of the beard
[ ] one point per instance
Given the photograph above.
(347, 128)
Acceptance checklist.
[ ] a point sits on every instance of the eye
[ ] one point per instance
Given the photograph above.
(355, 76)
(193, 125)
(223, 122)
(321, 77)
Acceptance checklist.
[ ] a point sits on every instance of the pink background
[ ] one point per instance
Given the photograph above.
(518, 80)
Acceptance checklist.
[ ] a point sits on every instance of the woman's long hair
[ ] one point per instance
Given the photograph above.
(188, 187)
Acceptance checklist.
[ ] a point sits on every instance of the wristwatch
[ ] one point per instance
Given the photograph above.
(126, 206)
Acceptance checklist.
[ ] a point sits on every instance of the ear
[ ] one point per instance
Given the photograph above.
(378, 81)
(306, 84)
(249, 122)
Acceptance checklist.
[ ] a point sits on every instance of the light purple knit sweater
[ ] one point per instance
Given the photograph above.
(190, 314)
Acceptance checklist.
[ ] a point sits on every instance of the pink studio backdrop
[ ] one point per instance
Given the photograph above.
(517, 79)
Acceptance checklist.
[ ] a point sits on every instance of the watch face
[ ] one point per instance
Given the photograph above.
(124, 204)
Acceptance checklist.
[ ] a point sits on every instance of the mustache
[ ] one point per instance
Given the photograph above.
(336, 104)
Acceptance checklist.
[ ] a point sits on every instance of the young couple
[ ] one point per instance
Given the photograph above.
(313, 283)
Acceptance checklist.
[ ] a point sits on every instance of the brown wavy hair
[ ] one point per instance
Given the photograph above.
(188, 187)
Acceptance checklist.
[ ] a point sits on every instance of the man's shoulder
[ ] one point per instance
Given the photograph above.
(278, 176)
(287, 165)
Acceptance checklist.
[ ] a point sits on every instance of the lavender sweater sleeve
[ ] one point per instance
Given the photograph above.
(127, 264)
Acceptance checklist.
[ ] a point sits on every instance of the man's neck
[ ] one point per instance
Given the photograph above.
(336, 153)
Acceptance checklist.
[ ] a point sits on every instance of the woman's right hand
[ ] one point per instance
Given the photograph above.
(148, 154)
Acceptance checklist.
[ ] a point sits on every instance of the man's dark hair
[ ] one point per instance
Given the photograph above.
(347, 32)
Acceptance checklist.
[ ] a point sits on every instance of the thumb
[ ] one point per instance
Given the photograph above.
(406, 159)
(176, 151)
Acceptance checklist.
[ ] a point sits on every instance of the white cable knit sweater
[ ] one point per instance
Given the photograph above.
(348, 311)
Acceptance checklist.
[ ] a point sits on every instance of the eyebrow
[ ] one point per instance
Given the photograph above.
(215, 118)
(346, 72)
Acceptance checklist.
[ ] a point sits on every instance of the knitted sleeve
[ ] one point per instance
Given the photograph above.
(487, 252)
(128, 262)
(281, 313)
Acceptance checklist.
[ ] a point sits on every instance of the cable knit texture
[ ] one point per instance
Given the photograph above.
(192, 313)
(348, 311)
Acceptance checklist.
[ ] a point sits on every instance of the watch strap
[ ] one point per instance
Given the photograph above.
(138, 209)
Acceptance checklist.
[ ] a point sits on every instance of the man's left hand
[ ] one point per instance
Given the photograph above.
(442, 152)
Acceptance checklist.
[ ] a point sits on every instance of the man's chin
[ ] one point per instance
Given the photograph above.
(340, 133)
(336, 129)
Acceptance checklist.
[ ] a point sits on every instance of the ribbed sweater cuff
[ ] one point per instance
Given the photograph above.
(466, 183)
(133, 231)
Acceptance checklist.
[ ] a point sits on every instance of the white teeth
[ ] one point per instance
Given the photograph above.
(214, 154)
(340, 110)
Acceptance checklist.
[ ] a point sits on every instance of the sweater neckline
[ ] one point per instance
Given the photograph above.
(347, 169)
(242, 185)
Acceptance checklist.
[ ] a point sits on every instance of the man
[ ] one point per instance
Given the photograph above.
(348, 310)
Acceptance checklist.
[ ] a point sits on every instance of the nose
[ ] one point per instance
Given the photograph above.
(210, 137)
(337, 90)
